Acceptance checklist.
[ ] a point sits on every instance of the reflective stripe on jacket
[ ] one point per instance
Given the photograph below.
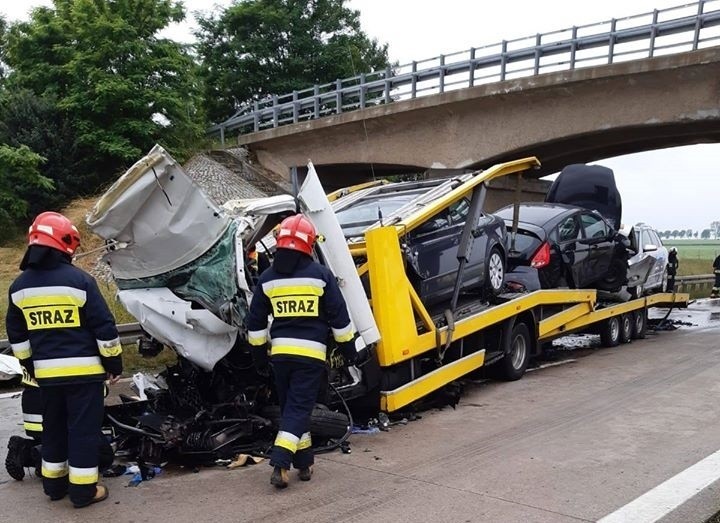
(307, 307)
(59, 325)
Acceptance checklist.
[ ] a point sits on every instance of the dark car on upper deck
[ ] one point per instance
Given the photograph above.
(431, 249)
(559, 245)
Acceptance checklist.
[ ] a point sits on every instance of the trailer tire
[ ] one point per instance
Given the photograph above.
(626, 328)
(324, 423)
(639, 318)
(517, 353)
(610, 332)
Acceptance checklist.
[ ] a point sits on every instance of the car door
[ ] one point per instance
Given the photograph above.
(566, 236)
(596, 236)
(432, 254)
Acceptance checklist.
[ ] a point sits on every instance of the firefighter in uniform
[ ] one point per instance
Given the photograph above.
(305, 303)
(62, 331)
(672, 267)
(716, 269)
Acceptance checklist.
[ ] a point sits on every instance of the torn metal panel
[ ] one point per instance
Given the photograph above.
(164, 217)
(196, 334)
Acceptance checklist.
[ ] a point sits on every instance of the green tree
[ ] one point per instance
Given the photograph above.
(18, 173)
(36, 122)
(122, 87)
(256, 48)
(706, 233)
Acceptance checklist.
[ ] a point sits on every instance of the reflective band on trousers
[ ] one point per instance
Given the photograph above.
(32, 427)
(305, 441)
(344, 334)
(54, 470)
(63, 367)
(109, 348)
(287, 441)
(21, 351)
(298, 347)
(86, 476)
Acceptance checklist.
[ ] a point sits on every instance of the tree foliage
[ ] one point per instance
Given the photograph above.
(256, 48)
(121, 86)
(18, 172)
(36, 122)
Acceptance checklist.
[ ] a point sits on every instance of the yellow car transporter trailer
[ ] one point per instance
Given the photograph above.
(419, 353)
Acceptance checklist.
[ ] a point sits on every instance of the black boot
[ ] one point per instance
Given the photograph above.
(279, 477)
(18, 456)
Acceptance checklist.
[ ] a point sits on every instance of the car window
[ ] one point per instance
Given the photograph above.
(459, 211)
(656, 239)
(646, 238)
(568, 230)
(594, 226)
(435, 223)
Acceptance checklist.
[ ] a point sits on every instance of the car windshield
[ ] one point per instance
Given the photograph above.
(358, 217)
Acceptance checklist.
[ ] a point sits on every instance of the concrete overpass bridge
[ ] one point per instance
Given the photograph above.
(578, 95)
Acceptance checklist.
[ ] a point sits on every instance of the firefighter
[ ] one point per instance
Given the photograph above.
(716, 288)
(305, 302)
(62, 331)
(25, 452)
(672, 267)
(20, 450)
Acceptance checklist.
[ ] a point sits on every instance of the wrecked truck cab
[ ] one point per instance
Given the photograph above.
(180, 262)
(177, 257)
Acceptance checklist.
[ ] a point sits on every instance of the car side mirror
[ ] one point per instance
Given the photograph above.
(650, 247)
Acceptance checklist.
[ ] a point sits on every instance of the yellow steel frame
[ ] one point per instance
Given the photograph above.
(397, 308)
(582, 321)
(424, 385)
(349, 190)
(419, 217)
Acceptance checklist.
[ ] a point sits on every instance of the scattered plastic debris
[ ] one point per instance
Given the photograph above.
(244, 459)
(115, 471)
(356, 429)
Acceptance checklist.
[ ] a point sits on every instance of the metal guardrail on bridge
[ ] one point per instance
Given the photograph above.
(663, 31)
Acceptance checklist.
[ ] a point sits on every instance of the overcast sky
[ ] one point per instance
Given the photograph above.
(670, 188)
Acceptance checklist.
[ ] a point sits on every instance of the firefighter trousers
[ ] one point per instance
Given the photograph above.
(72, 420)
(32, 408)
(297, 384)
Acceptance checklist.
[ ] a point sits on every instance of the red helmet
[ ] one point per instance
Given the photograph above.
(296, 233)
(52, 229)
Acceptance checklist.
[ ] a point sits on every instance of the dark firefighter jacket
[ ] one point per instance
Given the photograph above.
(305, 305)
(716, 265)
(60, 327)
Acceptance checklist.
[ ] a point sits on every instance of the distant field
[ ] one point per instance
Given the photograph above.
(696, 249)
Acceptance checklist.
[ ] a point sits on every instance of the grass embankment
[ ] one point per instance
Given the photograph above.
(12, 252)
(696, 256)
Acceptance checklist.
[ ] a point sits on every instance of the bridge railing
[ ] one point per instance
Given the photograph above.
(663, 31)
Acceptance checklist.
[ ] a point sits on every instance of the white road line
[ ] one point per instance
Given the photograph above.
(666, 497)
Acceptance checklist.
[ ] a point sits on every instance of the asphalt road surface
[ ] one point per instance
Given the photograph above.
(626, 434)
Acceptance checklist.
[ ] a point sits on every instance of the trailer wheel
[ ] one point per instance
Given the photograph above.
(517, 353)
(639, 324)
(626, 328)
(324, 423)
(610, 332)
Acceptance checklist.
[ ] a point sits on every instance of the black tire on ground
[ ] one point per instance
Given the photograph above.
(626, 328)
(325, 423)
(639, 318)
(518, 347)
(610, 332)
(495, 272)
